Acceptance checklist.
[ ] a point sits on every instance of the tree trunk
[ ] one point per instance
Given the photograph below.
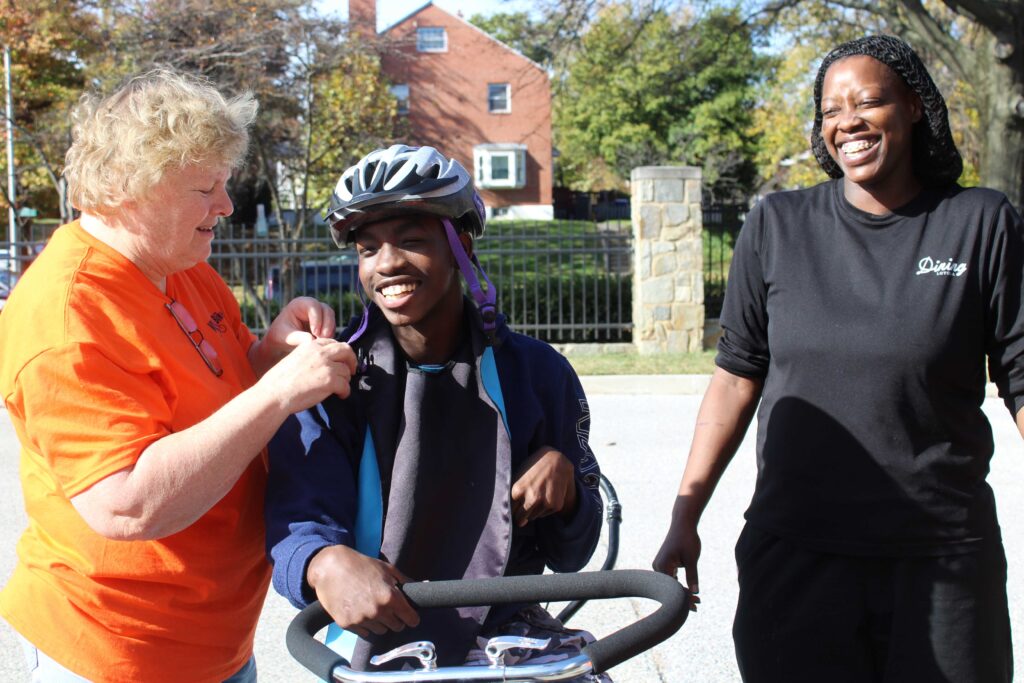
(995, 69)
(1000, 91)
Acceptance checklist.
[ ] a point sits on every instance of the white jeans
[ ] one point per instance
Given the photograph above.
(42, 669)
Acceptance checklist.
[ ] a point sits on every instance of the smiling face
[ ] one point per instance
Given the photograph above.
(868, 117)
(406, 268)
(171, 228)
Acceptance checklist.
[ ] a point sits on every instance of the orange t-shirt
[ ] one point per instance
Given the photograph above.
(93, 369)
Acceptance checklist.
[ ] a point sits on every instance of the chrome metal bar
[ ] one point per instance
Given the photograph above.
(517, 673)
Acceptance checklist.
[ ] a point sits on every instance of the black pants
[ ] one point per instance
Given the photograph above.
(810, 616)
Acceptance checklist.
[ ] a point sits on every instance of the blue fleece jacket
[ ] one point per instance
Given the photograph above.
(312, 488)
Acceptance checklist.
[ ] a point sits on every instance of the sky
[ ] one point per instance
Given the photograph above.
(390, 11)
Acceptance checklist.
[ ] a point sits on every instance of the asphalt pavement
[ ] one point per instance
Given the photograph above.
(640, 432)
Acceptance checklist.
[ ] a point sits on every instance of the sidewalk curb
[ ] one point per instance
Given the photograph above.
(673, 385)
(668, 385)
(659, 385)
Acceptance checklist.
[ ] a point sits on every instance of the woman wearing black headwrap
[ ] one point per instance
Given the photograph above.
(860, 314)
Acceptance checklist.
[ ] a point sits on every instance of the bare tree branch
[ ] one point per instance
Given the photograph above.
(950, 51)
(50, 172)
(996, 15)
(914, 17)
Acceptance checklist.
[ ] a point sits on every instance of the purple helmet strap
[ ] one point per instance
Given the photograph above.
(485, 301)
(366, 318)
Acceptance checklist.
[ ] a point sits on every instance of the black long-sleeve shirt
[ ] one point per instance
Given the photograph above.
(871, 334)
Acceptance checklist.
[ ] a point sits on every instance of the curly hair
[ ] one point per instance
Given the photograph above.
(936, 160)
(162, 119)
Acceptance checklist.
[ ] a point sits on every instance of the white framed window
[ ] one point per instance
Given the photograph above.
(431, 39)
(500, 165)
(400, 91)
(499, 98)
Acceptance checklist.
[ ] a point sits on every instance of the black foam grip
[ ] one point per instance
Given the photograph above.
(604, 654)
(306, 649)
(649, 631)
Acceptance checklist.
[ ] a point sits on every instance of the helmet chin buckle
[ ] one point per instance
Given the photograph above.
(489, 316)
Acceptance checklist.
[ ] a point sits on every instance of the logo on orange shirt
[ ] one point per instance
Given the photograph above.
(216, 322)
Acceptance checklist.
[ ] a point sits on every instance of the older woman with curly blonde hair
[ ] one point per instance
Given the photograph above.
(143, 404)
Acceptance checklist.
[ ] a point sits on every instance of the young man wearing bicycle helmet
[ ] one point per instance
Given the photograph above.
(462, 451)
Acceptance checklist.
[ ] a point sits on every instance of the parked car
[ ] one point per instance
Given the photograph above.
(318, 277)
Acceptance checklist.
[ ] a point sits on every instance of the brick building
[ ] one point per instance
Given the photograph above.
(473, 97)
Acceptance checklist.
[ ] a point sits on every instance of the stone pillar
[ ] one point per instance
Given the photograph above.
(668, 260)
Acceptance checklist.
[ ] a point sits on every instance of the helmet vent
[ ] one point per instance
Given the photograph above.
(404, 179)
(368, 172)
(392, 172)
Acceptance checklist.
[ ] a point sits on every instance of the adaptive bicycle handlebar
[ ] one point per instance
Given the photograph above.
(596, 657)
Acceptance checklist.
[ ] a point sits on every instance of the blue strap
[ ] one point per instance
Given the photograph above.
(492, 385)
(369, 506)
(368, 533)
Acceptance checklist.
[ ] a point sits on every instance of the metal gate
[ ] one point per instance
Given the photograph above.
(560, 281)
(722, 223)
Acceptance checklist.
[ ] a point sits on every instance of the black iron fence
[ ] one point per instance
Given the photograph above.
(722, 223)
(15, 261)
(561, 281)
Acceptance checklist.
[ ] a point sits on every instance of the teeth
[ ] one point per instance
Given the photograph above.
(857, 146)
(397, 290)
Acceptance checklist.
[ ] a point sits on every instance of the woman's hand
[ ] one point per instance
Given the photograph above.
(725, 413)
(314, 370)
(303, 315)
(183, 474)
(360, 593)
(545, 485)
(681, 548)
(302, 319)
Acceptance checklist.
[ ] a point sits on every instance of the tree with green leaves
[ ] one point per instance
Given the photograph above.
(612, 109)
(48, 42)
(719, 74)
(520, 32)
(322, 96)
(357, 114)
(289, 57)
(647, 85)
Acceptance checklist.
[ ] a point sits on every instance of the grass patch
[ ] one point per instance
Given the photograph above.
(632, 363)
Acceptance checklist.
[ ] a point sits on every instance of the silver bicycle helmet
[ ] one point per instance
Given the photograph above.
(403, 179)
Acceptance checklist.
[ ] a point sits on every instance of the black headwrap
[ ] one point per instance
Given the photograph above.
(936, 161)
